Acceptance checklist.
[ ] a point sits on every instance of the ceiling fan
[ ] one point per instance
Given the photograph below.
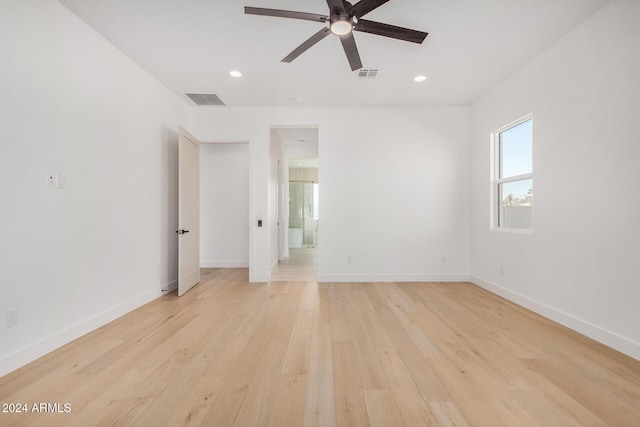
(343, 18)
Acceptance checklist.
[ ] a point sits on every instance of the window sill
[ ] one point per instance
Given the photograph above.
(513, 230)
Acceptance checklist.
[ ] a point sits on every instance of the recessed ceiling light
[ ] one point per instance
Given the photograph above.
(235, 73)
(420, 79)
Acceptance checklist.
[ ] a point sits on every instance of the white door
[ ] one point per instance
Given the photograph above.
(188, 211)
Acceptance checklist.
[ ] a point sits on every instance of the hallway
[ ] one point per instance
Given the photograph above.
(300, 266)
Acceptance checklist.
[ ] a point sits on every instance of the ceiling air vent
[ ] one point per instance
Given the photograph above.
(205, 98)
(366, 74)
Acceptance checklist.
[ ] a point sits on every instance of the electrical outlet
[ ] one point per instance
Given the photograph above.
(51, 180)
(12, 318)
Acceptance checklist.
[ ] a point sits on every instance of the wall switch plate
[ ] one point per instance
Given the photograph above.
(51, 180)
(259, 223)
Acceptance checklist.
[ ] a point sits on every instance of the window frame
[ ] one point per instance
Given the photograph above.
(496, 181)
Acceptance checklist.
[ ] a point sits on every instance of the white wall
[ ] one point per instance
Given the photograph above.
(224, 205)
(394, 193)
(73, 259)
(579, 266)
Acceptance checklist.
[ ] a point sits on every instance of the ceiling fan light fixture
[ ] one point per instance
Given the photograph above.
(341, 26)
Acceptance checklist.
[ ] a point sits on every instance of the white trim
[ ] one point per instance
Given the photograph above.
(54, 341)
(393, 277)
(622, 344)
(513, 123)
(259, 278)
(514, 178)
(513, 230)
(171, 286)
(224, 264)
(495, 210)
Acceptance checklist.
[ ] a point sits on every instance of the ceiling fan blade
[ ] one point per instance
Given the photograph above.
(386, 30)
(365, 6)
(335, 7)
(285, 14)
(350, 48)
(307, 44)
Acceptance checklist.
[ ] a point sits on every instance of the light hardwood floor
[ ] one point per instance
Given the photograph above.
(301, 265)
(230, 353)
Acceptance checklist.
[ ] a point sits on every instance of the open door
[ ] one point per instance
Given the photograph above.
(188, 211)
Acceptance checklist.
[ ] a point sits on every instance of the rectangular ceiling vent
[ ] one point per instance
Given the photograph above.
(366, 74)
(205, 98)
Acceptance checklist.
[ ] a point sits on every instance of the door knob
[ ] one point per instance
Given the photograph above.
(182, 231)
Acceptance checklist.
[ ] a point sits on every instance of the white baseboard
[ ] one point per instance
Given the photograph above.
(171, 286)
(259, 278)
(224, 264)
(622, 344)
(54, 341)
(393, 277)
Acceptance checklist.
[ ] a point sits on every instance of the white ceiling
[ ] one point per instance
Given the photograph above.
(191, 45)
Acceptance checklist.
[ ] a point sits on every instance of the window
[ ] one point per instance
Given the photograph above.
(512, 185)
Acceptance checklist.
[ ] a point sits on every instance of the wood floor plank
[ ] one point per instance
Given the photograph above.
(196, 403)
(246, 368)
(289, 403)
(394, 322)
(593, 389)
(324, 354)
(350, 404)
(448, 414)
(412, 405)
(297, 357)
(319, 409)
(262, 392)
(545, 412)
(481, 403)
(382, 409)
(367, 361)
(261, 395)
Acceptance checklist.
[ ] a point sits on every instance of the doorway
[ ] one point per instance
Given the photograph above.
(224, 205)
(303, 211)
(295, 155)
